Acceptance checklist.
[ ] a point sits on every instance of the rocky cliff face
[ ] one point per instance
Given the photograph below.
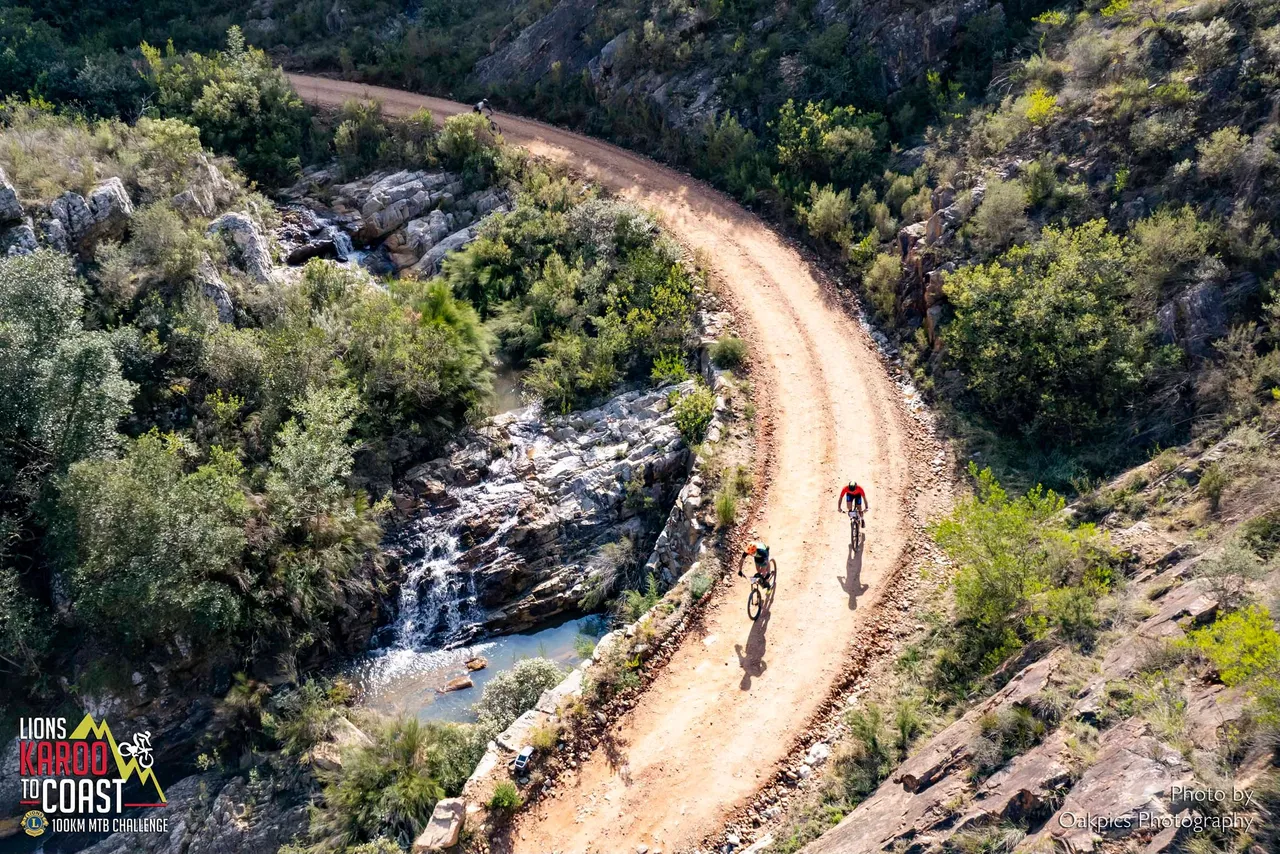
(209, 815)
(906, 40)
(502, 530)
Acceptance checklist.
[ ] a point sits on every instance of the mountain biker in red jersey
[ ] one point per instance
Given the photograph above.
(855, 494)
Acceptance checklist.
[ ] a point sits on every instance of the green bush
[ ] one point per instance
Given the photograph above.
(240, 100)
(1244, 648)
(699, 586)
(726, 506)
(828, 214)
(391, 787)
(511, 693)
(881, 283)
(505, 797)
(728, 352)
(1019, 569)
(669, 368)
(1230, 573)
(693, 412)
(634, 604)
(1001, 218)
(1043, 335)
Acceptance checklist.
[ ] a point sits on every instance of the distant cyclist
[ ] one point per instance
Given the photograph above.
(764, 570)
(855, 495)
(483, 108)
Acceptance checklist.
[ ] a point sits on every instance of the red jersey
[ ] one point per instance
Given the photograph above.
(858, 494)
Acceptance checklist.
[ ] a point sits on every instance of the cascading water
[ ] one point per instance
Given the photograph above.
(439, 614)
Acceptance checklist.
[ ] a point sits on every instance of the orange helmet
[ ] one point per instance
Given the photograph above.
(751, 549)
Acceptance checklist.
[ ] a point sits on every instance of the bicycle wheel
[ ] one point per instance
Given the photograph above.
(754, 602)
(857, 533)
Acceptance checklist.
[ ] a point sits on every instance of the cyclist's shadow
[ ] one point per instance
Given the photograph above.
(751, 658)
(852, 580)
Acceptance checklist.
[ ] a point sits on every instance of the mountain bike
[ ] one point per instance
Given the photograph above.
(755, 599)
(855, 528)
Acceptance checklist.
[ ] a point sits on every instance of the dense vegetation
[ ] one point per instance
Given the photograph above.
(581, 290)
(190, 482)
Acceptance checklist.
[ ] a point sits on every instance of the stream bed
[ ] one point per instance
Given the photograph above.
(407, 681)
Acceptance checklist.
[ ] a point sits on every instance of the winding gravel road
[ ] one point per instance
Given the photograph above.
(720, 716)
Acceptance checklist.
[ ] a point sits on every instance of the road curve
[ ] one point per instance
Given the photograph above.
(721, 714)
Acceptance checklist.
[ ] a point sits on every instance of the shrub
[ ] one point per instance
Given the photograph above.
(828, 214)
(242, 103)
(545, 737)
(1001, 218)
(1209, 44)
(668, 368)
(156, 552)
(1243, 646)
(1010, 554)
(611, 568)
(1223, 154)
(699, 585)
(468, 145)
(1043, 333)
(1213, 483)
(729, 351)
(693, 412)
(505, 797)
(634, 604)
(1167, 242)
(1040, 106)
(390, 787)
(726, 506)
(1230, 573)
(881, 284)
(510, 694)
(584, 646)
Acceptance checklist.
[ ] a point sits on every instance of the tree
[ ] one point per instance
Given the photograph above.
(1043, 334)
(61, 390)
(242, 103)
(153, 552)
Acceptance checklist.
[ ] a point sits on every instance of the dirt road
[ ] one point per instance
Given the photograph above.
(721, 714)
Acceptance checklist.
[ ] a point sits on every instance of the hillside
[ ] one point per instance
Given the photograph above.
(1057, 221)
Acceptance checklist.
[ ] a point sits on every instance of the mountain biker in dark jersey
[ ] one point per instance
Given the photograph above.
(855, 494)
(483, 107)
(764, 572)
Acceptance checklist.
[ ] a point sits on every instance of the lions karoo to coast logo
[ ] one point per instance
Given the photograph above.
(85, 781)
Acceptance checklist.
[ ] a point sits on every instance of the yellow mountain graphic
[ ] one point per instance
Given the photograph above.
(127, 769)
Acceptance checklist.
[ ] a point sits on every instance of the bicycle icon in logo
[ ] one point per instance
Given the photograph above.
(139, 749)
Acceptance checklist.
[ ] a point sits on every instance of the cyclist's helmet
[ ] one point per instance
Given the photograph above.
(751, 548)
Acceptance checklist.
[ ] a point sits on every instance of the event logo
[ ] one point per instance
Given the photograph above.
(84, 781)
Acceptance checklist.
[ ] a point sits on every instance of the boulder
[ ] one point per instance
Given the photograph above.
(431, 260)
(460, 683)
(10, 205)
(215, 289)
(84, 221)
(557, 38)
(18, 239)
(249, 248)
(208, 192)
(444, 829)
(477, 663)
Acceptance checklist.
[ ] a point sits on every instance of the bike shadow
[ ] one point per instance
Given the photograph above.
(751, 656)
(852, 580)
